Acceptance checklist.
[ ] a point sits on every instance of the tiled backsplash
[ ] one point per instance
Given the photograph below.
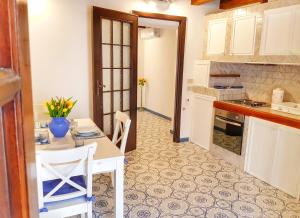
(260, 80)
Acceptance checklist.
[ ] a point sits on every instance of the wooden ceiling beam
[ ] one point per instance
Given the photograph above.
(200, 2)
(229, 4)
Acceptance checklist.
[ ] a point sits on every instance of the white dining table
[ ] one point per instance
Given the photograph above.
(107, 158)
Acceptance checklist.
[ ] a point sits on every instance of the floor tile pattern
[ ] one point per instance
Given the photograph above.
(166, 179)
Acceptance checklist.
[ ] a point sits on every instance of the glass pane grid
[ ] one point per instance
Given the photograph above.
(116, 68)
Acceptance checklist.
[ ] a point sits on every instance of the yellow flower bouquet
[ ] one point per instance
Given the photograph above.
(142, 81)
(60, 106)
(59, 109)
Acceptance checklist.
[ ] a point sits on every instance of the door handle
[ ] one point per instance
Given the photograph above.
(100, 86)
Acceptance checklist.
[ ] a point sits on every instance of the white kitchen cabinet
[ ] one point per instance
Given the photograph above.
(202, 119)
(260, 149)
(280, 33)
(296, 33)
(201, 73)
(272, 155)
(243, 35)
(216, 37)
(286, 167)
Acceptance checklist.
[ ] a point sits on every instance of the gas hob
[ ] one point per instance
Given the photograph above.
(249, 103)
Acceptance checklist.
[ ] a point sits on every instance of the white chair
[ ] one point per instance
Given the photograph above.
(121, 133)
(65, 181)
(121, 130)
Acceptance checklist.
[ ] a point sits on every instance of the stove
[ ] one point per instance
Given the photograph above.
(249, 103)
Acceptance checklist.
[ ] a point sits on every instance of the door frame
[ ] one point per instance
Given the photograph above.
(179, 63)
(17, 148)
(99, 13)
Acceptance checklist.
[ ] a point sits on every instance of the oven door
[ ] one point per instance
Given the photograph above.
(228, 134)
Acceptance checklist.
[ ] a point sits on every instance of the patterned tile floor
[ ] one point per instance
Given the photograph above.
(166, 179)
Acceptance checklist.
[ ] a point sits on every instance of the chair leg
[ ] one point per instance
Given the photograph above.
(112, 177)
(90, 210)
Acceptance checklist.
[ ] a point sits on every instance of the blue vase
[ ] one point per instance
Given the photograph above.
(59, 126)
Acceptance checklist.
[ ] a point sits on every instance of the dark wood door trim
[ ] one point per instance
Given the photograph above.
(98, 14)
(179, 65)
(17, 156)
(10, 84)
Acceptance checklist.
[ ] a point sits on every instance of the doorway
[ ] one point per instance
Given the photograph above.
(157, 51)
(114, 69)
(109, 58)
(181, 21)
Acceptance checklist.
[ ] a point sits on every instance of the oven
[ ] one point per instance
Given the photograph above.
(228, 130)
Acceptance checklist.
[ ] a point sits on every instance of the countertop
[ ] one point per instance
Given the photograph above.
(265, 113)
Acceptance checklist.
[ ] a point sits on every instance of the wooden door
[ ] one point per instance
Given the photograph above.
(115, 69)
(17, 156)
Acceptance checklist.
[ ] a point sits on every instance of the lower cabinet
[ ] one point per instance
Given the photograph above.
(273, 153)
(202, 119)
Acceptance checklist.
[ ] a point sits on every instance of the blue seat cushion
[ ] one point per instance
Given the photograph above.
(49, 185)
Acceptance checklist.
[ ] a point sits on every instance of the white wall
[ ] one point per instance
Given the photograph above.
(60, 40)
(157, 63)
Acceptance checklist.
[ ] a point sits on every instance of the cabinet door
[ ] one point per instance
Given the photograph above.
(286, 168)
(243, 35)
(296, 32)
(202, 120)
(260, 149)
(216, 36)
(276, 33)
(201, 73)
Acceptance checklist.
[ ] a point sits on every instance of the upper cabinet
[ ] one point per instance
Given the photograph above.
(296, 32)
(281, 31)
(243, 35)
(216, 37)
(265, 33)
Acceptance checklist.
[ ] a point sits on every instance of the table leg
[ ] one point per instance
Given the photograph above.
(119, 188)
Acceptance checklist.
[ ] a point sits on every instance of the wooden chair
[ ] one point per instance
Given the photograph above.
(65, 181)
(121, 133)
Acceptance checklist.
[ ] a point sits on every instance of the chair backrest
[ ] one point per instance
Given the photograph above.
(62, 165)
(121, 130)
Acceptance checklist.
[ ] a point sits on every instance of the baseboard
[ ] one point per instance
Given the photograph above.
(158, 114)
(184, 139)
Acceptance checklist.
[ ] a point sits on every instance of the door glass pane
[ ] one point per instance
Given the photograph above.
(117, 56)
(126, 79)
(116, 32)
(107, 124)
(106, 102)
(126, 56)
(126, 100)
(106, 80)
(117, 79)
(126, 33)
(117, 100)
(106, 56)
(105, 31)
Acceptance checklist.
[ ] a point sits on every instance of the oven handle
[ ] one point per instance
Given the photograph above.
(228, 122)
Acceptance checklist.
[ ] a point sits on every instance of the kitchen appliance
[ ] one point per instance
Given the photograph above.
(249, 103)
(287, 107)
(277, 96)
(228, 130)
